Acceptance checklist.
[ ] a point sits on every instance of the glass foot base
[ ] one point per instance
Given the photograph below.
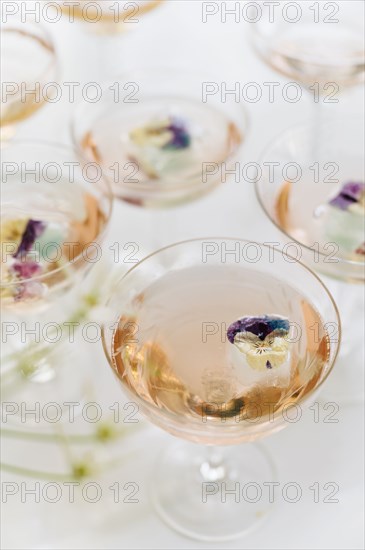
(213, 494)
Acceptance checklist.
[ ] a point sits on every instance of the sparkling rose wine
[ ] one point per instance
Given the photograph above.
(28, 64)
(171, 348)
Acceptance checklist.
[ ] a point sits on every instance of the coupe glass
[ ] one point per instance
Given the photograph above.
(306, 196)
(181, 340)
(157, 138)
(55, 209)
(319, 45)
(28, 64)
(312, 43)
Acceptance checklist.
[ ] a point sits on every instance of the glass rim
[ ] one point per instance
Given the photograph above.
(257, 35)
(46, 40)
(259, 195)
(107, 193)
(161, 184)
(196, 422)
(145, 7)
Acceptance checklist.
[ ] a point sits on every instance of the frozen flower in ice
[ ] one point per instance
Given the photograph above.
(160, 148)
(344, 219)
(168, 134)
(263, 340)
(179, 136)
(17, 274)
(33, 230)
(344, 222)
(351, 198)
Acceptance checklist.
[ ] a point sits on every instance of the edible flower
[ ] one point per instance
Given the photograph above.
(351, 197)
(33, 230)
(262, 340)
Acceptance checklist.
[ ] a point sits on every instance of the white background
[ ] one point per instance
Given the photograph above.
(305, 452)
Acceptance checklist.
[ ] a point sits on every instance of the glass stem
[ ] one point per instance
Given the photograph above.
(317, 122)
(213, 467)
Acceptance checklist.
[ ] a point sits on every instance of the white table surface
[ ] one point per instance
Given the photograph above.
(306, 452)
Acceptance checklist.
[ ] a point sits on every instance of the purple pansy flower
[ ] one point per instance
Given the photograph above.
(259, 326)
(351, 193)
(33, 230)
(180, 136)
(261, 340)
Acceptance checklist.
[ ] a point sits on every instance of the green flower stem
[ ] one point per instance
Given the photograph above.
(51, 438)
(100, 436)
(26, 472)
(79, 471)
